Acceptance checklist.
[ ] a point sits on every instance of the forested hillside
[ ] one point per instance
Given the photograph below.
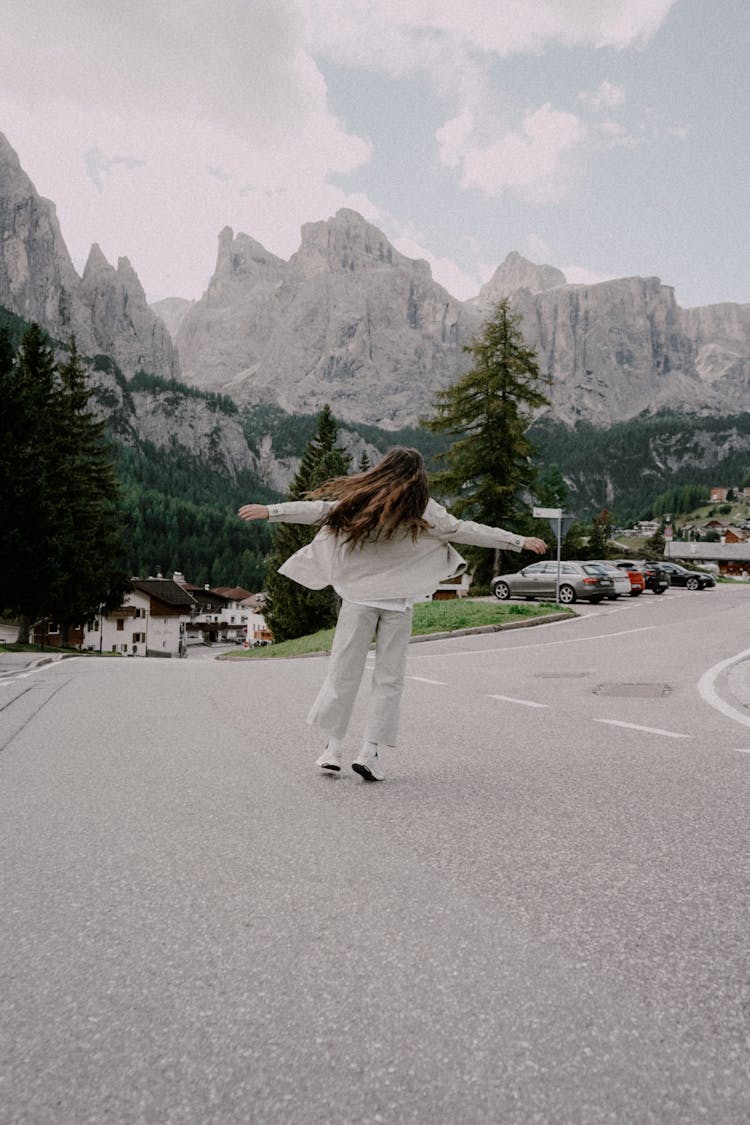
(179, 504)
(626, 467)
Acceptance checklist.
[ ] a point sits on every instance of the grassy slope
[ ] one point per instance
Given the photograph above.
(429, 617)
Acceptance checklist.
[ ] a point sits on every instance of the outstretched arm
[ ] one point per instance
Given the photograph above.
(294, 511)
(449, 527)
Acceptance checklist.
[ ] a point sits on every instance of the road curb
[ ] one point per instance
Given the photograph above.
(543, 619)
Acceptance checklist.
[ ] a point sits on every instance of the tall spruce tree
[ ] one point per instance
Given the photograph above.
(58, 508)
(489, 467)
(292, 610)
(27, 434)
(90, 548)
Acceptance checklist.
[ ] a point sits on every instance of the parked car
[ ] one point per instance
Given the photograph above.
(625, 585)
(690, 579)
(655, 578)
(539, 580)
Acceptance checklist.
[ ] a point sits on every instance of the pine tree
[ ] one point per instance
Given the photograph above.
(488, 411)
(364, 462)
(90, 549)
(27, 525)
(291, 609)
(59, 520)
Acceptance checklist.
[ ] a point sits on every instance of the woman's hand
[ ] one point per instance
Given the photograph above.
(253, 512)
(538, 546)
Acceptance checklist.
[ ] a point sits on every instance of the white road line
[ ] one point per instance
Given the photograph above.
(523, 702)
(739, 750)
(424, 680)
(537, 644)
(708, 692)
(648, 730)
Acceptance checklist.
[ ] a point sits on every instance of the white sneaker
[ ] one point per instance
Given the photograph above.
(368, 767)
(330, 760)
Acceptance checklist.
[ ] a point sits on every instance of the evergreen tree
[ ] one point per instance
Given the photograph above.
(90, 549)
(27, 524)
(59, 522)
(600, 530)
(655, 544)
(488, 467)
(291, 609)
(364, 462)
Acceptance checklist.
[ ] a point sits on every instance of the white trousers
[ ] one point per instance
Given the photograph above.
(355, 628)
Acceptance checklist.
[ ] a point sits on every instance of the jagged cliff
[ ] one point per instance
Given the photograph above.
(106, 309)
(350, 321)
(347, 320)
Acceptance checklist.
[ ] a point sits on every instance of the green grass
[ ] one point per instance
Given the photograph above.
(429, 617)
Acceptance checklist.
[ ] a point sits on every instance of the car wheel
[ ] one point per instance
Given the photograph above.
(692, 584)
(501, 591)
(660, 590)
(634, 593)
(567, 595)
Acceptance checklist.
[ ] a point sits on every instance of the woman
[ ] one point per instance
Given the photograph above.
(382, 544)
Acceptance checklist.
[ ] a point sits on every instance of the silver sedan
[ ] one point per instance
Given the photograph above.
(577, 580)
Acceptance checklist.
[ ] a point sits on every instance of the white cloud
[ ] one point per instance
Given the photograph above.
(152, 126)
(606, 97)
(529, 162)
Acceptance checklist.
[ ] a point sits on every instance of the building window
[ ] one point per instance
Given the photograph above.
(120, 624)
(52, 628)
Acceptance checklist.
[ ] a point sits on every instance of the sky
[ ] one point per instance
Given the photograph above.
(608, 138)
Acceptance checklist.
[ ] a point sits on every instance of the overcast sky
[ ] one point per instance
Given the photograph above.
(606, 137)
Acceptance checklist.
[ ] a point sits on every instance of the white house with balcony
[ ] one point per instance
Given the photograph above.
(152, 621)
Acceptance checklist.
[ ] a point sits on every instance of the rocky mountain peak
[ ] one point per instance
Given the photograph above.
(243, 257)
(106, 309)
(346, 243)
(515, 273)
(124, 325)
(37, 278)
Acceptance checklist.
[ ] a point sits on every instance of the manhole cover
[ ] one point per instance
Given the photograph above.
(634, 691)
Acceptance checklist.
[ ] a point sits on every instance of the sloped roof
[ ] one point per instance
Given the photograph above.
(234, 593)
(167, 591)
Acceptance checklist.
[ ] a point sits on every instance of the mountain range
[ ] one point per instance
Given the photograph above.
(350, 321)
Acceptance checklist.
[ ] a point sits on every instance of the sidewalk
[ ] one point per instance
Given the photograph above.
(21, 661)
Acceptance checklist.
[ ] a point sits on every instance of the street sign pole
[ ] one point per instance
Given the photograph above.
(555, 517)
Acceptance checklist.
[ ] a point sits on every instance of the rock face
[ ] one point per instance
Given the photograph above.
(37, 278)
(348, 321)
(107, 309)
(618, 348)
(351, 322)
(170, 312)
(124, 325)
(517, 273)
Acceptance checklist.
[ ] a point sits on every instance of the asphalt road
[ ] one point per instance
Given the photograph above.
(541, 916)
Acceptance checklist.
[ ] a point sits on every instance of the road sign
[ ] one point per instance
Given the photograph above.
(546, 513)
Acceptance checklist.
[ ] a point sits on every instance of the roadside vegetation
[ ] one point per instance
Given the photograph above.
(429, 617)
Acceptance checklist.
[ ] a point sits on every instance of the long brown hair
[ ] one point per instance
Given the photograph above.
(376, 504)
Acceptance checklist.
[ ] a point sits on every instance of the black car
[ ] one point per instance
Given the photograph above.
(655, 576)
(690, 579)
